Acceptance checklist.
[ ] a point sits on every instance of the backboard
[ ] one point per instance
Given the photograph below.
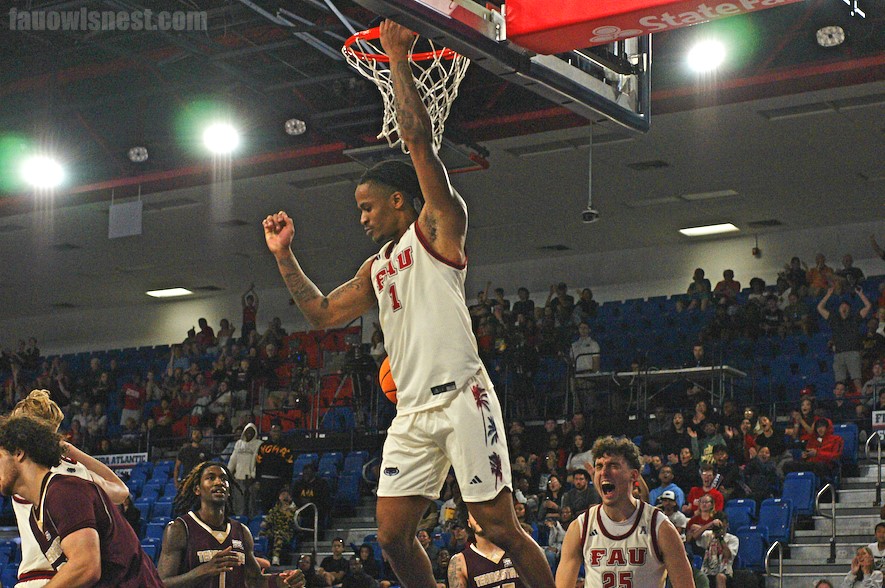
(611, 80)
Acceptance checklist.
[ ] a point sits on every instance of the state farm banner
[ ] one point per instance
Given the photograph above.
(122, 463)
(557, 26)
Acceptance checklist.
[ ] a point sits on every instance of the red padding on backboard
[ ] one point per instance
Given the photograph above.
(557, 26)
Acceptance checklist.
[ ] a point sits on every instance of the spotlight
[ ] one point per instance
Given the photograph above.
(221, 138)
(42, 172)
(830, 36)
(706, 56)
(138, 154)
(295, 126)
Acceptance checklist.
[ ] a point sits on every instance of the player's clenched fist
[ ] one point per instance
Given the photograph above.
(279, 230)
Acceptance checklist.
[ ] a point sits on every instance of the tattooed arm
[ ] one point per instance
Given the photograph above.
(443, 220)
(457, 571)
(343, 304)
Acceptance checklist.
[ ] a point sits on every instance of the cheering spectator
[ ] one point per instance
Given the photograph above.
(708, 474)
(846, 336)
(862, 574)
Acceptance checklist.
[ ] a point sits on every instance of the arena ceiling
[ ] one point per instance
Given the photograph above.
(791, 128)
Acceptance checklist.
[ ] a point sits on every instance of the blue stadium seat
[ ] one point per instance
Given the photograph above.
(145, 506)
(260, 546)
(737, 517)
(776, 514)
(800, 489)
(255, 525)
(752, 548)
(848, 432)
(747, 504)
(354, 461)
(151, 550)
(155, 531)
(348, 494)
(9, 575)
(332, 459)
(242, 519)
(150, 492)
(162, 509)
(339, 419)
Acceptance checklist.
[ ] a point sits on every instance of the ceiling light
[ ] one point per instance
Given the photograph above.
(706, 56)
(41, 171)
(709, 230)
(221, 138)
(295, 126)
(138, 154)
(168, 293)
(832, 36)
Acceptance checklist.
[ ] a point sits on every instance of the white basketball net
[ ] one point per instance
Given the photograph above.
(437, 79)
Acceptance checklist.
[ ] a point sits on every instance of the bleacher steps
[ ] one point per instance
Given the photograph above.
(853, 524)
(800, 580)
(821, 551)
(857, 496)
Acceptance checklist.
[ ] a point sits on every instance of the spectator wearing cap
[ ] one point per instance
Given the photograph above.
(669, 505)
(667, 485)
(273, 467)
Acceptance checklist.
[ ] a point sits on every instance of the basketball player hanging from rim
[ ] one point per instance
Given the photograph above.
(447, 411)
(623, 542)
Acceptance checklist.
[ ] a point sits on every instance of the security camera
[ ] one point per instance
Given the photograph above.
(590, 215)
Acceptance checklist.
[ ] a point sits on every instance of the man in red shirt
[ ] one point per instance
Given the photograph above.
(708, 474)
(134, 397)
(73, 519)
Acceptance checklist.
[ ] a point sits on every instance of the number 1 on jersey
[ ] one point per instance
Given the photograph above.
(394, 299)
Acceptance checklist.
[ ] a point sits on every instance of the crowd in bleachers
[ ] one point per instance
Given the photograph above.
(134, 399)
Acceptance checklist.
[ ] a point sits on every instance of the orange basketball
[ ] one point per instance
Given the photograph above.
(388, 386)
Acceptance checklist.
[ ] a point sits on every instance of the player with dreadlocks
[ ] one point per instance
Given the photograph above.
(203, 547)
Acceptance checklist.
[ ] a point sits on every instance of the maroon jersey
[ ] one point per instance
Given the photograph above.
(486, 573)
(203, 542)
(69, 504)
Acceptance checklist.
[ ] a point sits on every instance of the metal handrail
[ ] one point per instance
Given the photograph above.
(780, 562)
(832, 489)
(878, 463)
(316, 522)
(365, 469)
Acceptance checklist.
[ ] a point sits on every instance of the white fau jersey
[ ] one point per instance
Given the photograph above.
(622, 555)
(34, 569)
(427, 329)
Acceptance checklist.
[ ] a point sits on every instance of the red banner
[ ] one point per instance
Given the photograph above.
(557, 26)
